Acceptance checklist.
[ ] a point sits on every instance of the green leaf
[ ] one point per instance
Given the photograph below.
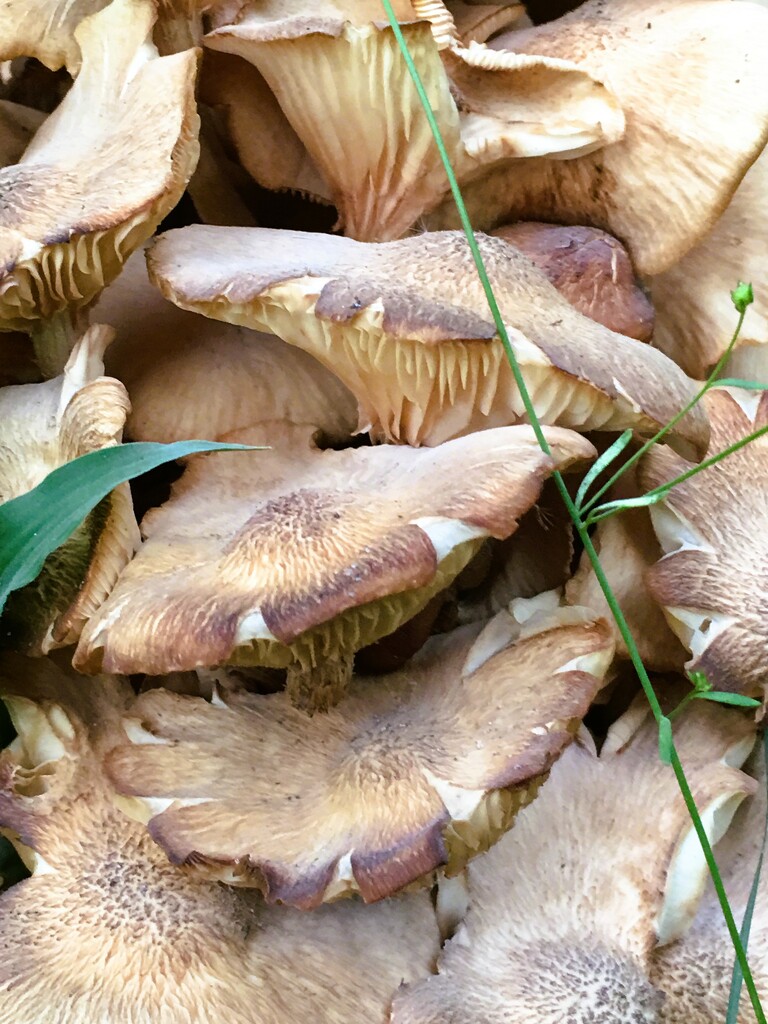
(36, 523)
(737, 382)
(666, 746)
(736, 699)
(601, 463)
(742, 296)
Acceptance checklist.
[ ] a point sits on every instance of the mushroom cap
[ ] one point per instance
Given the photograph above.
(695, 972)
(627, 547)
(566, 908)
(43, 426)
(46, 30)
(671, 65)
(225, 378)
(711, 581)
(101, 172)
(406, 326)
(310, 554)
(476, 23)
(157, 945)
(411, 771)
(589, 268)
(696, 318)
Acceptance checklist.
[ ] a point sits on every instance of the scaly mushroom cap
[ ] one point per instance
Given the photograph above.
(413, 770)
(224, 378)
(687, 75)
(696, 318)
(589, 268)
(309, 555)
(107, 930)
(384, 172)
(627, 547)
(406, 326)
(695, 972)
(101, 173)
(566, 908)
(43, 426)
(711, 581)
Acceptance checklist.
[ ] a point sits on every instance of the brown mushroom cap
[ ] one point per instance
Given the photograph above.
(566, 909)
(92, 186)
(43, 426)
(696, 318)
(406, 326)
(672, 67)
(107, 930)
(589, 268)
(711, 580)
(309, 555)
(224, 378)
(411, 771)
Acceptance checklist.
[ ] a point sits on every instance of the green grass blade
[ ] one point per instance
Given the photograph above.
(36, 523)
(602, 463)
(734, 996)
(573, 512)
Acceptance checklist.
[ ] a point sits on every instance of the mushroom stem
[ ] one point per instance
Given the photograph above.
(319, 687)
(53, 340)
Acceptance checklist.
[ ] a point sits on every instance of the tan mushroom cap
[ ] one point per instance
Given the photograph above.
(17, 126)
(628, 547)
(46, 30)
(687, 75)
(413, 770)
(224, 378)
(589, 268)
(711, 580)
(566, 909)
(476, 23)
(385, 172)
(101, 172)
(695, 972)
(107, 930)
(406, 327)
(306, 555)
(696, 318)
(43, 426)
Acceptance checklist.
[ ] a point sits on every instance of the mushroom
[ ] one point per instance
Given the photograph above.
(566, 909)
(695, 972)
(225, 378)
(406, 326)
(43, 426)
(589, 268)
(107, 930)
(696, 319)
(385, 171)
(91, 187)
(687, 76)
(17, 126)
(476, 23)
(711, 580)
(308, 555)
(46, 30)
(412, 771)
(627, 547)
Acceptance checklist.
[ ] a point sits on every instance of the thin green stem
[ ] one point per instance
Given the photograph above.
(573, 512)
(708, 383)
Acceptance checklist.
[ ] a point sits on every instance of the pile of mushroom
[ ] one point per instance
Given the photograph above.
(340, 727)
